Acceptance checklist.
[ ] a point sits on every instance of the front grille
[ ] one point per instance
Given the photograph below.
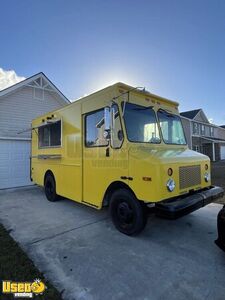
(189, 176)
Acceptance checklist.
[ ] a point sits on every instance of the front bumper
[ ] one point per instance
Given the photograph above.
(175, 208)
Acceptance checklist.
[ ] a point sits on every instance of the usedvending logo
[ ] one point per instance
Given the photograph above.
(23, 289)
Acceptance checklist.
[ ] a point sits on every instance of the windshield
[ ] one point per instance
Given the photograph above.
(141, 124)
(171, 127)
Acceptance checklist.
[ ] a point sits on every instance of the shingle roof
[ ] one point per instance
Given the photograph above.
(190, 114)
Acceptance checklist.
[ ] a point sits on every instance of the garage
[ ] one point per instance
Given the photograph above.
(19, 105)
(14, 163)
(222, 152)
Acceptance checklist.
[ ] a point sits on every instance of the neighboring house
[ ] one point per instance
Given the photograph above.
(202, 136)
(19, 104)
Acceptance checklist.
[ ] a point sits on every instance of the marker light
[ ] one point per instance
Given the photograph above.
(170, 172)
(207, 177)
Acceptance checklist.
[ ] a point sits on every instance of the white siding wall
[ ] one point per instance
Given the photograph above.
(187, 129)
(219, 133)
(19, 108)
(201, 118)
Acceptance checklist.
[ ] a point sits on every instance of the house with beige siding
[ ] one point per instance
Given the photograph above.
(203, 136)
(19, 104)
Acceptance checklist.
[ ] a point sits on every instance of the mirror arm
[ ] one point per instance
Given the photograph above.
(124, 105)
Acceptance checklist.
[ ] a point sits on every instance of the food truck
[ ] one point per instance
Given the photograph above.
(125, 148)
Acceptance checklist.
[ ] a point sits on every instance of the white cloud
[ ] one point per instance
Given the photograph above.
(210, 120)
(8, 78)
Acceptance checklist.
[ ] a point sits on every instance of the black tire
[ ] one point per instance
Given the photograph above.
(50, 188)
(127, 213)
(221, 229)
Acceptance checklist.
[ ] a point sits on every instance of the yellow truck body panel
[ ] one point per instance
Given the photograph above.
(84, 173)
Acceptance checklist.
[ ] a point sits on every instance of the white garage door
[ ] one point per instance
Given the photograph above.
(14, 163)
(222, 152)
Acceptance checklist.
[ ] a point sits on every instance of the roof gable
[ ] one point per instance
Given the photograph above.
(39, 81)
(201, 117)
(190, 114)
(196, 115)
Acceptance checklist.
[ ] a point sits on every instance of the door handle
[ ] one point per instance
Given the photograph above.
(107, 152)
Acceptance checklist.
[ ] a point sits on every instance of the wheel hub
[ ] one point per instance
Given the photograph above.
(125, 213)
(49, 188)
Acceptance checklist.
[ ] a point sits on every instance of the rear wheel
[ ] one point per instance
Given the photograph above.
(50, 188)
(127, 213)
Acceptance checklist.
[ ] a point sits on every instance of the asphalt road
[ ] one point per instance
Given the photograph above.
(81, 252)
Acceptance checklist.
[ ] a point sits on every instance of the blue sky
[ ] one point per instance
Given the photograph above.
(174, 48)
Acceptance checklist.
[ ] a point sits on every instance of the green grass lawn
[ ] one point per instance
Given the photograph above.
(15, 265)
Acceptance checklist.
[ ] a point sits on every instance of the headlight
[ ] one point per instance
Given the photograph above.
(170, 185)
(207, 177)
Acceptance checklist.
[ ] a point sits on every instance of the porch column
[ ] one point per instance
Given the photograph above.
(213, 152)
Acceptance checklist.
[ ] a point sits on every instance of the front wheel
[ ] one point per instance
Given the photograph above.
(50, 188)
(127, 213)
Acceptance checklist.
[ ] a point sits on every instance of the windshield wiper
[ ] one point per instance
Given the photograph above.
(143, 108)
(168, 114)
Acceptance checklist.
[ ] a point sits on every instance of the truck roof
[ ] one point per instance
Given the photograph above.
(126, 87)
(145, 92)
(119, 87)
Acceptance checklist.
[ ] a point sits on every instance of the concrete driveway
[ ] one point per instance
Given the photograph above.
(79, 250)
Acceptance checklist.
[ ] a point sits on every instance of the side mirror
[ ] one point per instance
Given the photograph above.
(107, 118)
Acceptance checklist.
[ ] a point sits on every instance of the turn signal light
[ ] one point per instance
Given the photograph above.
(147, 178)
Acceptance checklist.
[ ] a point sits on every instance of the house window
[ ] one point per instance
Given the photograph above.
(196, 148)
(196, 128)
(202, 129)
(211, 132)
(207, 131)
(94, 129)
(49, 135)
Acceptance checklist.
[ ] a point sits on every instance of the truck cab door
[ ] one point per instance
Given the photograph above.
(104, 161)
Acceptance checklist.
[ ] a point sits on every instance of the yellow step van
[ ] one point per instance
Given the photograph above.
(125, 148)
